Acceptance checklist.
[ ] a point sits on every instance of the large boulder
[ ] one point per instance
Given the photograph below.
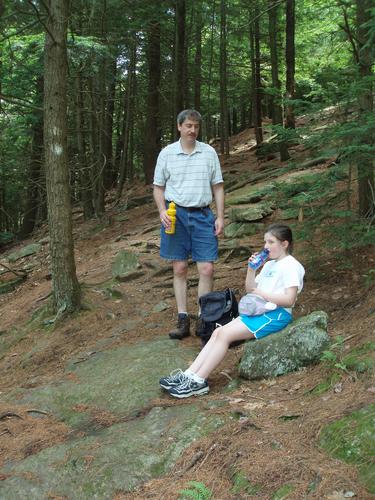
(241, 229)
(124, 265)
(251, 213)
(24, 252)
(299, 344)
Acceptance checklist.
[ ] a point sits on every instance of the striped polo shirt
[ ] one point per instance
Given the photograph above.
(188, 177)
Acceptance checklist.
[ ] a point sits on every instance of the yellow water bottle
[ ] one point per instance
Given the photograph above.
(172, 215)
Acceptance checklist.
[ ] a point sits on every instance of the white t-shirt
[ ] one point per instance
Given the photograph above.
(188, 177)
(276, 276)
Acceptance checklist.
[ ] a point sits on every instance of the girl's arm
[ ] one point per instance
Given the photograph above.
(250, 280)
(286, 299)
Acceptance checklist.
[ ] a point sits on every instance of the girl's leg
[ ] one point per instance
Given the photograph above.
(215, 349)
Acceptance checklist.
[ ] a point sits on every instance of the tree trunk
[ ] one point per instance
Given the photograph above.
(180, 62)
(152, 130)
(277, 112)
(103, 160)
(290, 62)
(65, 287)
(234, 121)
(224, 138)
(33, 180)
(110, 172)
(127, 118)
(209, 127)
(366, 191)
(256, 78)
(96, 162)
(85, 185)
(198, 59)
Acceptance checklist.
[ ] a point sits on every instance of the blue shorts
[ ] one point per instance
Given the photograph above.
(267, 323)
(194, 236)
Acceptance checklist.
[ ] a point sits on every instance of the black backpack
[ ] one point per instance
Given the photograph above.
(217, 309)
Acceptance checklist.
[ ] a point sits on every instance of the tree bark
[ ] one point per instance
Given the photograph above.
(85, 185)
(277, 112)
(198, 59)
(256, 78)
(110, 171)
(209, 122)
(224, 137)
(366, 191)
(34, 176)
(152, 130)
(127, 120)
(65, 287)
(290, 62)
(179, 101)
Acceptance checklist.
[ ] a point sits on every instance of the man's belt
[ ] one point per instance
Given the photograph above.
(193, 209)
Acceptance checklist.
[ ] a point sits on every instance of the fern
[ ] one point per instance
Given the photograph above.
(196, 491)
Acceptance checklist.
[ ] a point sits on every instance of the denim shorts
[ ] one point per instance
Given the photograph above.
(194, 236)
(267, 323)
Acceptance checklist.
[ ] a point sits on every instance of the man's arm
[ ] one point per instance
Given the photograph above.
(218, 191)
(160, 203)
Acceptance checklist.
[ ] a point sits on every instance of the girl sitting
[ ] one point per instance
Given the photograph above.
(279, 282)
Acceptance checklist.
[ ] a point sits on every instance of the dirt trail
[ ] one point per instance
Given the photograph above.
(276, 423)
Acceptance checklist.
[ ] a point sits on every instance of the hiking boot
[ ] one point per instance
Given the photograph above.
(183, 328)
(176, 377)
(189, 387)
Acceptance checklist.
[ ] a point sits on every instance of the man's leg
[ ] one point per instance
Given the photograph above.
(180, 268)
(206, 277)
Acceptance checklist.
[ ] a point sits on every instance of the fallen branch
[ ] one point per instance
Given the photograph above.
(9, 414)
(34, 410)
(212, 448)
(196, 457)
(44, 297)
(20, 274)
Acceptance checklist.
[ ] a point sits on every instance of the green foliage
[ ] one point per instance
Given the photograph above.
(353, 362)
(6, 237)
(352, 439)
(325, 385)
(350, 231)
(283, 492)
(241, 484)
(333, 358)
(196, 491)
(288, 135)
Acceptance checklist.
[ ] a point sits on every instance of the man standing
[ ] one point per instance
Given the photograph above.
(188, 173)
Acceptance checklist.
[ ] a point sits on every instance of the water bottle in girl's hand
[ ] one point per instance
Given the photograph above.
(259, 259)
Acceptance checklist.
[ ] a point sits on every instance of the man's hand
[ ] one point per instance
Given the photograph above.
(165, 219)
(219, 226)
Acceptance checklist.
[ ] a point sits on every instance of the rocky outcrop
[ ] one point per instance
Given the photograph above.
(300, 344)
(24, 252)
(253, 213)
(125, 265)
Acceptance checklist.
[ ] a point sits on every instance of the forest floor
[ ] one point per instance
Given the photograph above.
(274, 439)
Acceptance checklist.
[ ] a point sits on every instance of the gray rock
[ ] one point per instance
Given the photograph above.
(161, 306)
(247, 194)
(147, 435)
(24, 252)
(240, 229)
(250, 214)
(300, 344)
(125, 263)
